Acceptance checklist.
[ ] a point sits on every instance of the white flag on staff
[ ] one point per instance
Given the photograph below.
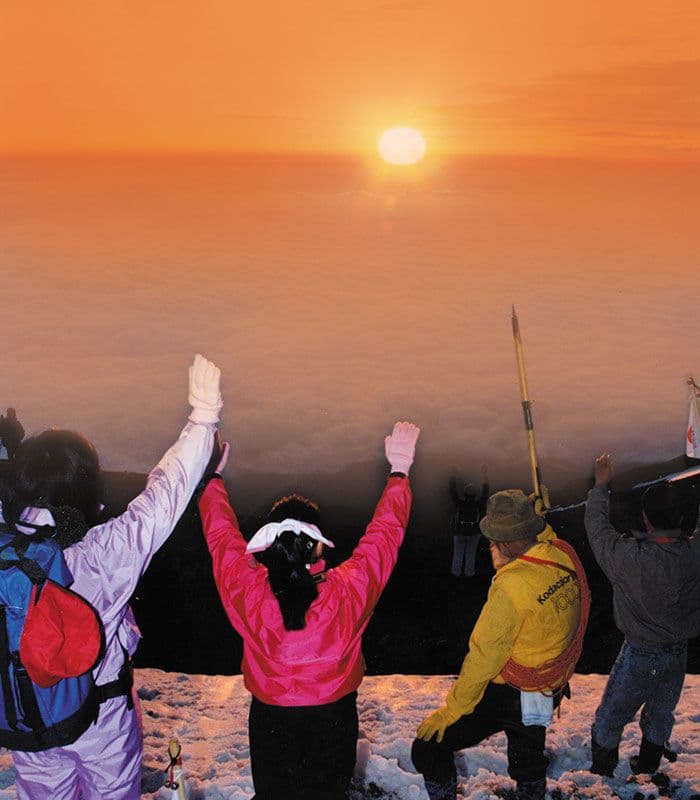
(692, 442)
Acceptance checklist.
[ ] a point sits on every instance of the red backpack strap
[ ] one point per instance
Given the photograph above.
(556, 564)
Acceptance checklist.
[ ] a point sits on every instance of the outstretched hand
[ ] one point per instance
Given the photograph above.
(400, 446)
(603, 470)
(219, 456)
(204, 394)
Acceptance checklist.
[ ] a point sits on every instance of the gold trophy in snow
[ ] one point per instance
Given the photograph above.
(175, 780)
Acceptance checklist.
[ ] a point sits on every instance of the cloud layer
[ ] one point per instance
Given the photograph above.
(335, 307)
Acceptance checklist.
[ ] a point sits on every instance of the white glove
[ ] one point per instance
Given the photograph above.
(400, 447)
(204, 396)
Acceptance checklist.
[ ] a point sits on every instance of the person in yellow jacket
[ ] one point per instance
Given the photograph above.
(529, 620)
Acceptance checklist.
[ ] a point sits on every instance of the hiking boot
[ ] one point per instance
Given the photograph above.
(670, 755)
(531, 790)
(604, 759)
(649, 757)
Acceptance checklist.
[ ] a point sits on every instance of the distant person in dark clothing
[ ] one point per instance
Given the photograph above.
(469, 509)
(11, 433)
(656, 598)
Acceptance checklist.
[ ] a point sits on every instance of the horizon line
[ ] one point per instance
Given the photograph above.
(656, 158)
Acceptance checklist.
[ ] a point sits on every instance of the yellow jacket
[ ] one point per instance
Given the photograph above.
(531, 614)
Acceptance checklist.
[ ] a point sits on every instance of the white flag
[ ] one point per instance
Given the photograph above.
(692, 439)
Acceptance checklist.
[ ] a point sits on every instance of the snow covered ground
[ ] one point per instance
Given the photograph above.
(209, 716)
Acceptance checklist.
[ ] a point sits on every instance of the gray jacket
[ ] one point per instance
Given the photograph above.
(656, 586)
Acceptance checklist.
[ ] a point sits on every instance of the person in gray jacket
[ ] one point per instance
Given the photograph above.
(656, 600)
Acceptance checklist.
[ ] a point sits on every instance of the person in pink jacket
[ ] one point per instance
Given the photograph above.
(56, 483)
(302, 626)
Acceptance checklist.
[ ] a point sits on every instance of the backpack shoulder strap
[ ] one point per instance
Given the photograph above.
(556, 564)
(19, 543)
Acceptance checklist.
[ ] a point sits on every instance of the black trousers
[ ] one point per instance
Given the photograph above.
(304, 752)
(499, 710)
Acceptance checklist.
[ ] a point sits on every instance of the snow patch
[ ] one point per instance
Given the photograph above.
(209, 715)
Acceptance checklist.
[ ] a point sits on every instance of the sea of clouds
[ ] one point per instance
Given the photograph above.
(335, 306)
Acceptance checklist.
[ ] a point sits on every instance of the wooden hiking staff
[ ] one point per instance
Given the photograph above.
(527, 413)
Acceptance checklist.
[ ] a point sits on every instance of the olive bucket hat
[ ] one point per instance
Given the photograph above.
(510, 515)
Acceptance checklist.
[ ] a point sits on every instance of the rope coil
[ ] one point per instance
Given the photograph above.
(551, 677)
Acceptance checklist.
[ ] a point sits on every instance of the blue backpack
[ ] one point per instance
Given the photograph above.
(37, 717)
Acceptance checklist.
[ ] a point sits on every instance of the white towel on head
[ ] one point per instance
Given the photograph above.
(536, 708)
(264, 537)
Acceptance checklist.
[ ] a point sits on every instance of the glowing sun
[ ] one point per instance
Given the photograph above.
(401, 146)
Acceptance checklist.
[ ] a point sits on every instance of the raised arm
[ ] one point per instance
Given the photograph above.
(485, 489)
(120, 550)
(368, 569)
(454, 494)
(224, 541)
(606, 543)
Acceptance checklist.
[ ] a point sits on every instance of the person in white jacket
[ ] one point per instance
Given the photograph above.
(54, 482)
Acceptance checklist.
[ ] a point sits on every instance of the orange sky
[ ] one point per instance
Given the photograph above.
(545, 76)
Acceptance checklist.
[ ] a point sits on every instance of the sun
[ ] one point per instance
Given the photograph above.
(401, 146)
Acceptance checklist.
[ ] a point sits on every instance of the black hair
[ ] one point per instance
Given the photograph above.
(287, 558)
(57, 468)
(665, 506)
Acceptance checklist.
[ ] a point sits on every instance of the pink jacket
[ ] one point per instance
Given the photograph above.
(323, 662)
